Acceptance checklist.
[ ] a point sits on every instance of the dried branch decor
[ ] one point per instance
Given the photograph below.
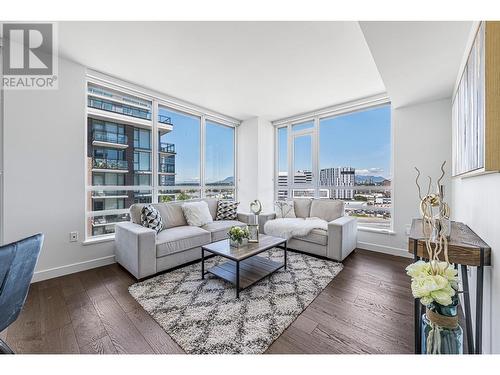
(435, 282)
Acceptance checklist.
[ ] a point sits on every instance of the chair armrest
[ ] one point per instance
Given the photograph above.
(342, 237)
(264, 218)
(136, 249)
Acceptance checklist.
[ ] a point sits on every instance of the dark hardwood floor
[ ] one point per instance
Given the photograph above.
(367, 308)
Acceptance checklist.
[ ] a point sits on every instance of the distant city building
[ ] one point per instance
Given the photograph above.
(339, 176)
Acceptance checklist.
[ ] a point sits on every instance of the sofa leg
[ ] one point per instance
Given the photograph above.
(4, 348)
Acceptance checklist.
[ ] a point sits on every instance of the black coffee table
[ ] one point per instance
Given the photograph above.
(244, 267)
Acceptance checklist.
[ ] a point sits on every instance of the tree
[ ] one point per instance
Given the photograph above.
(166, 198)
(360, 198)
(183, 196)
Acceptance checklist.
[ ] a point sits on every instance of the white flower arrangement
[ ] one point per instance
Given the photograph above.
(436, 282)
(238, 234)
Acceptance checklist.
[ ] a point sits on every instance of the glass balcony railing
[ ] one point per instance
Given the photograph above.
(162, 119)
(109, 219)
(167, 147)
(104, 136)
(100, 163)
(119, 108)
(167, 168)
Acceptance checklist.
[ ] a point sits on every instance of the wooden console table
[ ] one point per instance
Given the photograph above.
(465, 248)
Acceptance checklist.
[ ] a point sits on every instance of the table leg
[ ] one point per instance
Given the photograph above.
(237, 279)
(285, 254)
(417, 309)
(202, 264)
(479, 304)
(468, 319)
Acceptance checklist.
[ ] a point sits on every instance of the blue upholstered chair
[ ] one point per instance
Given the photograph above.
(17, 263)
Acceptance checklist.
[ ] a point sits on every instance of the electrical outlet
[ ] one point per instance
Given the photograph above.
(73, 236)
(408, 229)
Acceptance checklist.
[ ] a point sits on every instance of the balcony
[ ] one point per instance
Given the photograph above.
(166, 168)
(99, 221)
(105, 194)
(164, 124)
(122, 109)
(107, 139)
(165, 120)
(166, 148)
(109, 165)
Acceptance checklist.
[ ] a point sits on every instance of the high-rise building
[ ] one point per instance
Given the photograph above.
(302, 177)
(119, 154)
(339, 176)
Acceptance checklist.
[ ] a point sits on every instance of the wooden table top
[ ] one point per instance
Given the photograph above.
(464, 246)
(222, 248)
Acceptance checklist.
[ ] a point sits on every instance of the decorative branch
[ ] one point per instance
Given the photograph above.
(416, 182)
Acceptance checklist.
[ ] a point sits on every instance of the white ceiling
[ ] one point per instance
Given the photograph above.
(418, 61)
(240, 69)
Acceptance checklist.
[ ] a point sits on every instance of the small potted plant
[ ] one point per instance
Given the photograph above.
(238, 236)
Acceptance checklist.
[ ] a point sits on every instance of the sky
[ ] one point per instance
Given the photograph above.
(361, 140)
(219, 161)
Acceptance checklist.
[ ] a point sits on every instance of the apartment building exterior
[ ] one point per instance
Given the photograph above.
(119, 153)
(339, 176)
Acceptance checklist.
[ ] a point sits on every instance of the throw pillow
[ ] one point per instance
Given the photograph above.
(226, 210)
(285, 209)
(151, 218)
(197, 213)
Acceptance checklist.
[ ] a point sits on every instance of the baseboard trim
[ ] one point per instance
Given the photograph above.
(384, 249)
(72, 268)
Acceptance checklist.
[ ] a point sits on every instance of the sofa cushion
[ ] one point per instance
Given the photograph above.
(171, 213)
(317, 236)
(285, 209)
(197, 213)
(226, 210)
(327, 209)
(219, 228)
(212, 206)
(302, 207)
(173, 240)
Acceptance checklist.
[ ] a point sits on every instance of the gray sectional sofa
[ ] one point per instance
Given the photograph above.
(144, 253)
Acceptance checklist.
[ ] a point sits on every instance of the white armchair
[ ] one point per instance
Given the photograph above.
(336, 243)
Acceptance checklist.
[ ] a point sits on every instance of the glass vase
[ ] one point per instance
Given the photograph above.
(440, 335)
(236, 243)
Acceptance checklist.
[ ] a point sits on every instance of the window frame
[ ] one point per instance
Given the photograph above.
(316, 116)
(157, 99)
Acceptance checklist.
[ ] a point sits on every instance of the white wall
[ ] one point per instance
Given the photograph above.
(44, 173)
(256, 163)
(422, 139)
(474, 203)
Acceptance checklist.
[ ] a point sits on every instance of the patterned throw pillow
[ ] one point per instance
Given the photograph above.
(226, 210)
(285, 209)
(151, 218)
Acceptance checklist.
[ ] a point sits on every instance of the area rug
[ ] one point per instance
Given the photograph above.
(205, 317)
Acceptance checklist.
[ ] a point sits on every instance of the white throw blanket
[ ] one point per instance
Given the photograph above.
(296, 227)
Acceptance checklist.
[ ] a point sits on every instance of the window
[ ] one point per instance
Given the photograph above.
(134, 157)
(219, 154)
(353, 156)
(142, 139)
(179, 149)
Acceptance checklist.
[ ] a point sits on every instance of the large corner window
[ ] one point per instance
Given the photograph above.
(140, 150)
(345, 156)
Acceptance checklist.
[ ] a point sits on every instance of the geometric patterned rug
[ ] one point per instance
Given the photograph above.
(204, 316)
